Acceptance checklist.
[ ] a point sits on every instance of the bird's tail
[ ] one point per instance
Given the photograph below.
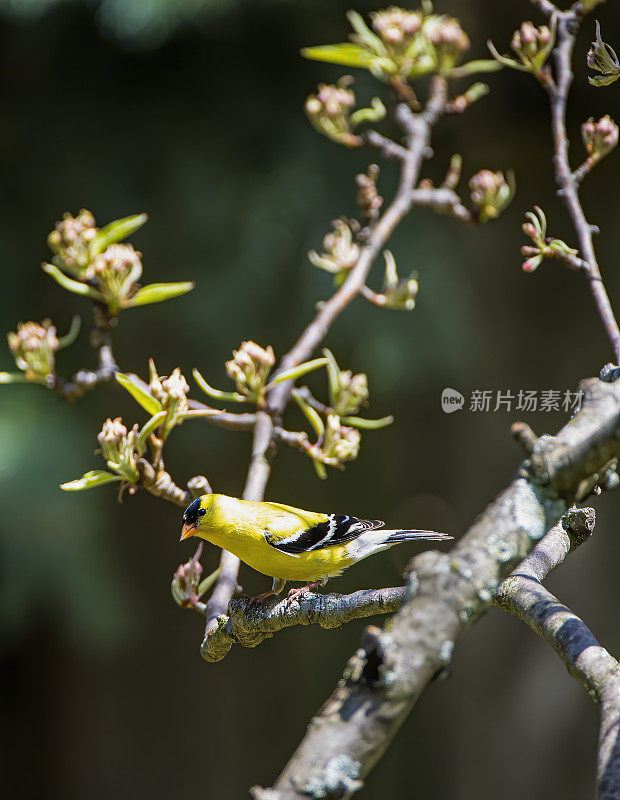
(409, 536)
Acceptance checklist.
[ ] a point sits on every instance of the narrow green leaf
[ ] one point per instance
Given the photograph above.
(115, 232)
(157, 292)
(333, 375)
(480, 65)
(13, 377)
(320, 468)
(96, 477)
(311, 415)
(77, 287)
(154, 422)
(297, 372)
(72, 333)
(507, 62)
(368, 424)
(215, 393)
(346, 54)
(146, 400)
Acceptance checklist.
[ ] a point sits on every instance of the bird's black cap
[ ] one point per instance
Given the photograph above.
(191, 513)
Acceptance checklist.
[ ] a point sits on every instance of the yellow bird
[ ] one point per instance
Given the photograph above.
(289, 544)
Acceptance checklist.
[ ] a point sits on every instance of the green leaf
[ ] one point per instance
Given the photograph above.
(311, 415)
(13, 377)
(150, 426)
(215, 393)
(507, 62)
(77, 287)
(115, 232)
(368, 424)
(97, 477)
(146, 400)
(333, 375)
(480, 65)
(72, 333)
(346, 54)
(320, 468)
(157, 292)
(297, 372)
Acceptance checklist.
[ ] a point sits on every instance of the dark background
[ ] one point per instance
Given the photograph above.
(201, 125)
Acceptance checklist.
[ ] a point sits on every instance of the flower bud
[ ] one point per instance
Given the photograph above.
(350, 394)
(340, 442)
(340, 252)
(249, 369)
(530, 42)
(70, 240)
(329, 111)
(33, 346)
(116, 271)
(448, 39)
(368, 198)
(119, 448)
(174, 397)
(186, 581)
(600, 137)
(396, 26)
(490, 193)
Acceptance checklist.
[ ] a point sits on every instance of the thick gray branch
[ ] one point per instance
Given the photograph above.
(387, 675)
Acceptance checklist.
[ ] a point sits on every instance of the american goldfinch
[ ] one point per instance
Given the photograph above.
(289, 544)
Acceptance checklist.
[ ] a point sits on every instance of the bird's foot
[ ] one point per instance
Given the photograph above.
(295, 594)
(254, 602)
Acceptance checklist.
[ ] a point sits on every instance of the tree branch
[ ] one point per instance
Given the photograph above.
(387, 675)
(249, 626)
(596, 670)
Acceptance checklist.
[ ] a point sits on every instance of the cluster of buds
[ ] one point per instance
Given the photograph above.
(448, 39)
(330, 111)
(368, 198)
(348, 392)
(338, 438)
(171, 393)
(599, 138)
(532, 46)
(396, 26)
(602, 58)
(340, 442)
(120, 448)
(398, 293)
(33, 346)
(115, 273)
(542, 246)
(340, 251)
(249, 369)
(491, 192)
(71, 241)
(89, 261)
(530, 42)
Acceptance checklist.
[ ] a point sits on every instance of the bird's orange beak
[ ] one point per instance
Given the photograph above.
(188, 530)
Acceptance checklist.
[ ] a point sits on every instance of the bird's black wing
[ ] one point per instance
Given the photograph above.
(337, 529)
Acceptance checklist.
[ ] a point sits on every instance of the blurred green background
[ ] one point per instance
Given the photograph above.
(192, 111)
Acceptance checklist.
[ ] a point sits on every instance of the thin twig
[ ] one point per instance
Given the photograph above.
(568, 186)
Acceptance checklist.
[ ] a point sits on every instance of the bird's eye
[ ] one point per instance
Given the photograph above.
(202, 512)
